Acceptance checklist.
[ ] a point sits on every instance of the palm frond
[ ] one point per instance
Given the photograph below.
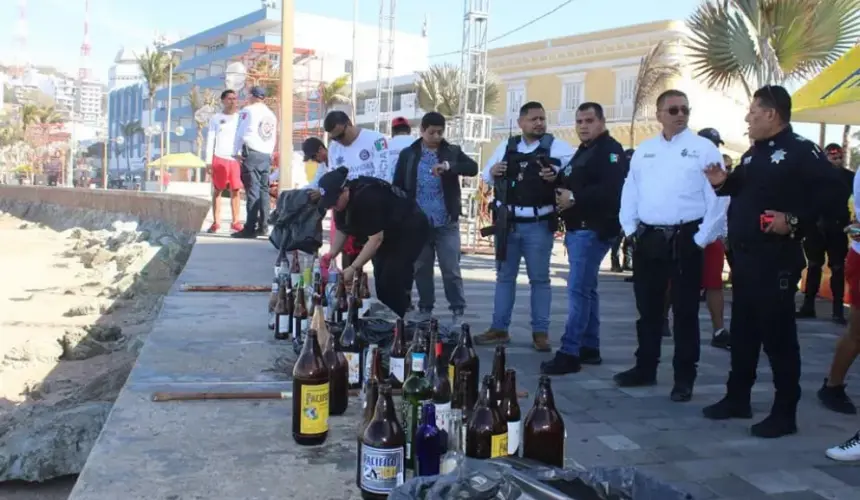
(439, 89)
(655, 71)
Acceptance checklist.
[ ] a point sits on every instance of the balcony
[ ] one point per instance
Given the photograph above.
(560, 118)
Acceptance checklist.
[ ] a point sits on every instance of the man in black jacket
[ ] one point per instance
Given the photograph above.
(588, 201)
(429, 172)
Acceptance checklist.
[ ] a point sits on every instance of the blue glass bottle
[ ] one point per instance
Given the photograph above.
(428, 442)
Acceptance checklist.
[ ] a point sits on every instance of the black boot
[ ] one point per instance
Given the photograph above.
(727, 408)
(636, 377)
(590, 356)
(561, 364)
(782, 420)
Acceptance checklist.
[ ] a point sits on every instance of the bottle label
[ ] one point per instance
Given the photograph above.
(499, 445)
(275, 287)
(451, 378)
(295, 278)
(283, 323)
(353, 362)
(418, 361)
(314, 405)
(381, 469)
(514, 432)
(443, 415)
(398, 368)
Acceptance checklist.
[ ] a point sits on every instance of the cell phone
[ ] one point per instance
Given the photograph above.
(765, 220)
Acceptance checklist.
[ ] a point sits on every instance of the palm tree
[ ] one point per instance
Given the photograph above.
(200, 100)
(29, 115)
(336, 92)
(155, 68)
(129, 131)
(757, 42)
(655, 72)
(439, 89)
(48, 115)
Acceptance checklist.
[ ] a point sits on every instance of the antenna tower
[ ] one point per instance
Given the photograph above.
(385, 66)
(20, 60)
(85, 72)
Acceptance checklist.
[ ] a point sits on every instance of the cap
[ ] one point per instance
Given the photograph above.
(331, 185)
(311, 146)
(712, 135)
(833, 147)
(258, 92)
(399, 122)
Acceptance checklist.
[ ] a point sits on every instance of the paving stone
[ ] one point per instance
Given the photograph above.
(731, 486)
(785, 481)
(618, 442)
(848, 474)
(799, 495)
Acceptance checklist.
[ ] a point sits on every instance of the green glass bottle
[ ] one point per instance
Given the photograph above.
(416, 390)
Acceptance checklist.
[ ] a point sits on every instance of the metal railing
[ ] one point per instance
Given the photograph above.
(615, 113)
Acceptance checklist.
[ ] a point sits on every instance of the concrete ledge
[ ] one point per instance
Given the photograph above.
(181, 213)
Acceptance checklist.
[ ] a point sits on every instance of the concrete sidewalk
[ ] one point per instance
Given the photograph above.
(236, 450)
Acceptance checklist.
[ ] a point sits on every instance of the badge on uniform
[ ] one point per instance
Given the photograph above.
(569, 168)
(684, 153)
(777, 156)
(339, 161)
(380, 144)
(613, 158)
(364, 155)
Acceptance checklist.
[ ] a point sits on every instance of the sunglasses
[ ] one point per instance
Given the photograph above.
(675, 110)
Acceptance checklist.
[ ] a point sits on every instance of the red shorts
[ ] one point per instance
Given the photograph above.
(712, 270)
(225, 172)
(852, 276)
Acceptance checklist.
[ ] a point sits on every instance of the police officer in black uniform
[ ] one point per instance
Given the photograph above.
(394, 225)
(780, 188)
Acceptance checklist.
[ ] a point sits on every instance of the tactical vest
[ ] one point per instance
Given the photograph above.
(527, 188)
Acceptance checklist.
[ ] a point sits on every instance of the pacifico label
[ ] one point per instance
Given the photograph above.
(499, 445)
(314, 418)
(381, 469)
(353, 362)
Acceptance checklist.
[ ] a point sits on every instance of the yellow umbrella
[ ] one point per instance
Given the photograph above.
(178, 160)
(833, 96)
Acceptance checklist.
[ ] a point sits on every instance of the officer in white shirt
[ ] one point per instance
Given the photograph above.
(256, 138)
(223, 168)
(401, 138)
(668, 204)
(526, 167)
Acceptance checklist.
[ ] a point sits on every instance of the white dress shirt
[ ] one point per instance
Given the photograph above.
(221, 138)
(366, 156)
(560, 150)
(667, 186)
(257, 129)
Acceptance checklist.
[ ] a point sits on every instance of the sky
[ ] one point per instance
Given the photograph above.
(55, 27)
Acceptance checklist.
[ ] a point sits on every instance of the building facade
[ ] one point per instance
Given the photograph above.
(603, 67)
(125, 108)
(125, 70)
(323, 52)
(88, 102)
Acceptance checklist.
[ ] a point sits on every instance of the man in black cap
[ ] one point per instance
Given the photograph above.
(395, 228)
(315, 156)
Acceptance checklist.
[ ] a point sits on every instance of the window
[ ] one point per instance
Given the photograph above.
(516, 97)
(625, 84)
(572, 92)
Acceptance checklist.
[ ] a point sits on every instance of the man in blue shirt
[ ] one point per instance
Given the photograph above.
(429, 172)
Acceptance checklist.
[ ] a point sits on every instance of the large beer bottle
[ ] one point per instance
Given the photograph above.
(498, 374)
(543, 429)
(338, 377)
(372, 391)
(487, 434)
(282, 320)
(510, 411)
(416, 390)
(273, 297)
(397, 356)
(464, 359)
(382, 450)
(300, 312)
(428, 443)
(351, 347)
(310, 394)
(437, 375)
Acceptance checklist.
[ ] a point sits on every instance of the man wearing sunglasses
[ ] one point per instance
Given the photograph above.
(829, 240)
(670, 207)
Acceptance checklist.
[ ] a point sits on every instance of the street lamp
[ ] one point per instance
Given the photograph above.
(119, 142)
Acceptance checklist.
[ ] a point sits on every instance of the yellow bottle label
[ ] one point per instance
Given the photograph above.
(451, 378)
(314, 417)
(499, 445)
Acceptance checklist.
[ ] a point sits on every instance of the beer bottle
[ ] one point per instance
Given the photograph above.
(498, 374)
(382, 454)
(342, 305)
(372, 370)
(300, 312)
(310, 394)
(456, 447)
(295, 268)
(372, 390)
(437, 374)
(397, 356)
(464, 359)
(487, 434)
(273, 297)
(543, 428)
(458, 408)
(354, 291)
(317, 293)
(416, 390)
(428, 443)
(364, 288)
(289, 305)
(351, 348)
(282, 321)
(510, 411)
(338, 377)
(318, 322)
(417, 337)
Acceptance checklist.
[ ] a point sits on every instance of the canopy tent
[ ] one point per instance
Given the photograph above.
(178, 160)
(833, 96)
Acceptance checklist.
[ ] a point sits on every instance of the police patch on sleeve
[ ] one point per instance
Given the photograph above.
(613, 158)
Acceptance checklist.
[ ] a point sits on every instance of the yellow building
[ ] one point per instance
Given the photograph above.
(562, 73)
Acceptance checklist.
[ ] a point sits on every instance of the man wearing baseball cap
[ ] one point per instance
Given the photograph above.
(256, 137)
(712, 268)
(401, 138)
(393, 224)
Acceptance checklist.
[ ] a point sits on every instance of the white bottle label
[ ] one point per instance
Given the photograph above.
(274, 287)
(354, 364)
(418, 362)
(443, 414)
(398, 368)
(305, 325)
(515, 431)
(283, 323)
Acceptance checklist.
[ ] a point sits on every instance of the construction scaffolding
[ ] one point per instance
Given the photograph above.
(473, 124)
(385, 67)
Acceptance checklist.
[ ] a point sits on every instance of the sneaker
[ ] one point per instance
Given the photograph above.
(590, 356)
(726, 408)
(540, 341)
(237, 226)
(635, 377)
(834, 399)
(774, 426)
(213, 228)
(492, 336)
(720, 340)
(849, 451)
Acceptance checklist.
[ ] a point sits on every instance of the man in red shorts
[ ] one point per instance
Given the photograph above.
(712, 269)
(223, 168)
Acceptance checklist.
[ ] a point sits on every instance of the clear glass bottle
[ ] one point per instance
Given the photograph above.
(452, 459)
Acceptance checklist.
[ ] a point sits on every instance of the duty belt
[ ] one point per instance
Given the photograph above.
(669, 232)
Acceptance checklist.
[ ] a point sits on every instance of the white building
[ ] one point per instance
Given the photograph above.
(88, 104)
(125, 70)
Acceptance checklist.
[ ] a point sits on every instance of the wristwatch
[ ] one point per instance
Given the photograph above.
(572, 199)
(447, 165)
(791, 220)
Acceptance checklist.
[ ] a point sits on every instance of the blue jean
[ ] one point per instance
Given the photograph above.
(255, 178)
(531, 241)
(585, 252)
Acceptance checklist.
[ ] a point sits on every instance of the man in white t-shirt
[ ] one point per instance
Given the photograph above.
(256, 137)
(401, 138)
(222, 167)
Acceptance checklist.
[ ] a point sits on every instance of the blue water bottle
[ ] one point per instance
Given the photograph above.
(428, 443)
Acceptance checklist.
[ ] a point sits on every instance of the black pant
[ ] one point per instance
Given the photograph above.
(833, 244)
(764, 281)
(661, 255)
(626, 247)
(394, 263)
(255, 178)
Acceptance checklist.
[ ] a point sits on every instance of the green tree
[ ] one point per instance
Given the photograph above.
(155, 69)
(336, 92)
(129, 131)
(655, 73)
(439, 89)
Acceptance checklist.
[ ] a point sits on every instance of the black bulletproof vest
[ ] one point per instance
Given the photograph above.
(527, 188)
